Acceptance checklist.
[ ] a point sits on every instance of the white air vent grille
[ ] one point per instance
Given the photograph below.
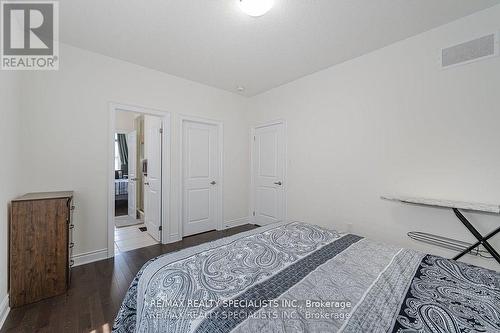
(477, 49)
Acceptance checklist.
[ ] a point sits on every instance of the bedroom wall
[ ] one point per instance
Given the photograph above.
(65, 133)
(9, 169)
(393, 122)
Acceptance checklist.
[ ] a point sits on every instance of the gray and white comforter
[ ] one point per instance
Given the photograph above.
(298, 277)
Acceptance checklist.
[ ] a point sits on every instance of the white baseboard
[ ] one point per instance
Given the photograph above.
(172, 238)
(227, 224)
(236, 222)
(88, 257)
(4, 310)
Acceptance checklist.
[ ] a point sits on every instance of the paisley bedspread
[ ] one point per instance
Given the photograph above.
(297, 277)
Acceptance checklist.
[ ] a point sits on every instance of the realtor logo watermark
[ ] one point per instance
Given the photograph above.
(29, 35)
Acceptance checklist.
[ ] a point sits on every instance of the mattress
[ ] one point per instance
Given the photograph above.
(121, 187)
(297, 277)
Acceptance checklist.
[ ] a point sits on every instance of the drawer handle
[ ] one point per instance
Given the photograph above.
(71, 245)
(71, 263)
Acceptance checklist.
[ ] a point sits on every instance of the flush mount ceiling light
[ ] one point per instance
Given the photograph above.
(256, 7)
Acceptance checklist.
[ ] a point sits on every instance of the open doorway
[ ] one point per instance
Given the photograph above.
(137, 217)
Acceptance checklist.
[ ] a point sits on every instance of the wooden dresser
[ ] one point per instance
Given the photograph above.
(40, 246)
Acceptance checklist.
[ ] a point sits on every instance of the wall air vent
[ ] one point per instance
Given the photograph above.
(470, 51)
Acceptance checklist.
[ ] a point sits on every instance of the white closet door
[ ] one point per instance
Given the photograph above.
(200, 172)
(268, 174)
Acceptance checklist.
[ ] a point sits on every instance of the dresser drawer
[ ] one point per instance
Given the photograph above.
(71, 243)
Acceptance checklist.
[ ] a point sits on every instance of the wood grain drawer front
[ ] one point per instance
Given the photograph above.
(38, 250)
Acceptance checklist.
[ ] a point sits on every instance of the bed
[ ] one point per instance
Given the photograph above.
(121, 189)
(297, 277)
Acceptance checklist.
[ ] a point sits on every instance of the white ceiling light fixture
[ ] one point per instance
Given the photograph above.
(256, 8)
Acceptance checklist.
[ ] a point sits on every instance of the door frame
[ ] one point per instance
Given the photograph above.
(251, 205)
(166, 169)
(220, 188)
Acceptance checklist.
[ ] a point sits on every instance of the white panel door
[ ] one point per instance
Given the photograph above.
(152, 181)
(200, 177)
(268, 174)
(132, 173)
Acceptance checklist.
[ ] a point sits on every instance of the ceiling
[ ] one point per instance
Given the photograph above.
(214, 43)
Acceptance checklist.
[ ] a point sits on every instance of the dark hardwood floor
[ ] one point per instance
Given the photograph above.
(121, 207)
(97, 290)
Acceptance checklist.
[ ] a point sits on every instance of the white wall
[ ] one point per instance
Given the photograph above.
(9, 171)
(393, 122)
(65, 132)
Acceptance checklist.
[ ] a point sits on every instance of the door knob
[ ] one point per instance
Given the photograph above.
(213, 182)
(277, 183)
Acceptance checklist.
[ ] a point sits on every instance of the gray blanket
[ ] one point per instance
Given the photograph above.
(298, 277)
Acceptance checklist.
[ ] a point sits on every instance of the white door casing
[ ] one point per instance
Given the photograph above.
(153, 180)
(200, 177)
(268, 173)
(170, 225)
(132, 173)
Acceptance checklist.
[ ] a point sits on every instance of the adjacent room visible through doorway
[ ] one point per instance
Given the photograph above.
(137, 168)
